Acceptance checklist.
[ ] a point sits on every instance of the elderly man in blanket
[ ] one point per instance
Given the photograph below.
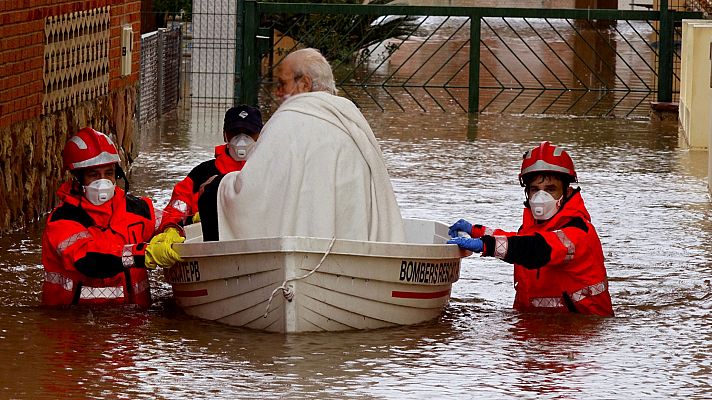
(317, 169)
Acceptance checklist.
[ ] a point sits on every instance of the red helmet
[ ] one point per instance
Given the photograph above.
(547, 158)
(89, 148)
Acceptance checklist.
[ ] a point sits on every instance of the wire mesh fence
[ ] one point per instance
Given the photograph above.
(409, 58)
(159, 82)
(570, 67)
(528, 61)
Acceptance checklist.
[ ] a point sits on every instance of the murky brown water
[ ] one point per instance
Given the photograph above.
(648, 199)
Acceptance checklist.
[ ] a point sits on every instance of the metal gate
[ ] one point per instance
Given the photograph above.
(529, 61)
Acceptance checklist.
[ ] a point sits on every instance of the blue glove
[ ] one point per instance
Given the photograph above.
(461, 225)
(474, 245)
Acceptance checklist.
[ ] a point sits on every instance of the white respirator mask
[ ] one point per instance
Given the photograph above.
(240, 147)
(544, 205)
(100, 191)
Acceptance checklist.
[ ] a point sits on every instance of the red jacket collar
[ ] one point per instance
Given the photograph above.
(64, 192)
(224, 162)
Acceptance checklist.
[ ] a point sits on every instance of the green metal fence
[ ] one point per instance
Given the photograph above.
(530, 61)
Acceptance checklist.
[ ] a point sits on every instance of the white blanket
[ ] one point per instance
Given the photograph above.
(318, 171)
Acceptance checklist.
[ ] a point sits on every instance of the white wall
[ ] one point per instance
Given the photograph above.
(695, 90)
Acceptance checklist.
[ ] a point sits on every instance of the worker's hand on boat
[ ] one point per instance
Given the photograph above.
(170, 234)
(196, 218)
(460, 226)
(474, 245)
(159, 251)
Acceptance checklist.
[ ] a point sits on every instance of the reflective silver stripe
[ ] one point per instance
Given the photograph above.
(127, 256)
(103, 158)
(59, 279)
(548, 302)
(81, 144)
(141, 286)
(180, 205)
(570, 247)
(114, 292)
(588, 291)
(501, 244)
(71, 240)
(541, 165)
(488, 231)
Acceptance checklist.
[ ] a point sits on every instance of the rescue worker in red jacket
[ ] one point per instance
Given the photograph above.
(94, 247)
(241, 128)
(557, 255)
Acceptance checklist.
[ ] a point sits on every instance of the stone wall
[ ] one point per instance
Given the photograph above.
(31, 153)
(32, 131)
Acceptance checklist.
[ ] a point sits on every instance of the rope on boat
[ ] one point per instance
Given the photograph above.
(286, 290)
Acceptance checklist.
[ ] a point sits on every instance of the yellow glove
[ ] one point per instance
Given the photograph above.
(196, 218)
(171, 235)
(159, 251)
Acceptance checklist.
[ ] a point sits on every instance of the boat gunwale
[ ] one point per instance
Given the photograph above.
(314, 245)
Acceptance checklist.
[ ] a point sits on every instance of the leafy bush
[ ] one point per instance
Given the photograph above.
(342, 38)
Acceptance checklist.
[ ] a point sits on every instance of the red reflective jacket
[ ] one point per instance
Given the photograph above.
(184, 200)
(558, 265)
(95, 254)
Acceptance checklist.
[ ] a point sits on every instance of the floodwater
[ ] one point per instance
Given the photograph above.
(647, 197)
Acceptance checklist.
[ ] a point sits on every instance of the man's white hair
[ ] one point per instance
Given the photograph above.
(309, 62)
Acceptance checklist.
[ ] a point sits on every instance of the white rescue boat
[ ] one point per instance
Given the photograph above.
(303, 284)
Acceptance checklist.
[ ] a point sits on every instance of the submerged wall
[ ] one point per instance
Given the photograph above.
(60, 70)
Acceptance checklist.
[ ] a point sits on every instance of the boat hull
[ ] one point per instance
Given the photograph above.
(357, 285)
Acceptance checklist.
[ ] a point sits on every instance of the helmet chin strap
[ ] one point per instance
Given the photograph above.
(77, 183)
(120, 174)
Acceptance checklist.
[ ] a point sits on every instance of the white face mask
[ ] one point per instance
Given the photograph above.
(100, 191)
(240, 147)
(543, 205)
